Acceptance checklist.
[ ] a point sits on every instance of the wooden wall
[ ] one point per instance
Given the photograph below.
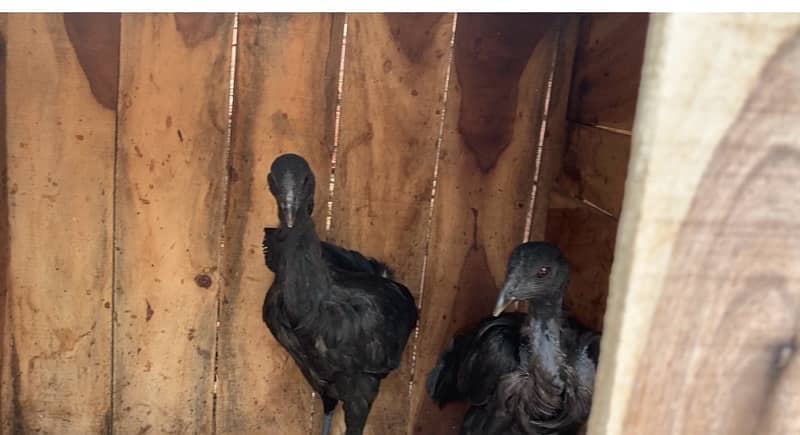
(702, 329)
(585, 199)
(132, 212)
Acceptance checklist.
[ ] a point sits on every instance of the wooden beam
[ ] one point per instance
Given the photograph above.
(394, 75)
(556, 136)
(701, 330)
(173, 118)
(286, 84)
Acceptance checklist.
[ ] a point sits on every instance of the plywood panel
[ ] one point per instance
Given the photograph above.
(608, 66)
(395, 72)
(174, 83)
(501, 66)
(59, 152)
(586, 236)
(594, 167)
(701, 331)
(554, 137)
(286, 77)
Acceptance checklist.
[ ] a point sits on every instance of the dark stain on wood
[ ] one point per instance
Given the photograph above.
(249, 88)
(149, 311)
(18, 417)
(491, 52)
(95, 38)
(196, 28)
(108, 422)
(607, 71)
(280, 122)
(413, 32)
(732, 249)
(202, 280)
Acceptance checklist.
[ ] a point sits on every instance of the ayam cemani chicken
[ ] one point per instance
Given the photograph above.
(339, 314)
(522, 374)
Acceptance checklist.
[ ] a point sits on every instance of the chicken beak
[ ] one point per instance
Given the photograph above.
(503, 300)
(289, 214)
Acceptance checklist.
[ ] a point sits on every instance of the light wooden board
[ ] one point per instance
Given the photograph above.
(395, 70)
(285, 100)
(173, 109)
(501, 66)
(594, 167)
(608, 65)
(702, 322)
(59, 146)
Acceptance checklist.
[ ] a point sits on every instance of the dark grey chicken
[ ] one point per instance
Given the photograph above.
(339, 314)
(522, 374)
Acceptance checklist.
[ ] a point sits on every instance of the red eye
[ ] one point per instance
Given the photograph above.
(543, 272)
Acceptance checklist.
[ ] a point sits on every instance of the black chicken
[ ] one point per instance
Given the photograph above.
(338, 313)
(523, 374)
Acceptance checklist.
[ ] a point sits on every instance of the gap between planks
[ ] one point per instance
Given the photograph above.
(621, 131)
(432, 204)
(225, 200)
(540, 140)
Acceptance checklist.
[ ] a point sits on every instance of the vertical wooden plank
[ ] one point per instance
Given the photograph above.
(5, 238)
(285, 101)
(555, 137)
(60, 154)
(393, 87)
(174, 83)
(701, 330)
(608, 65)
(502, 63)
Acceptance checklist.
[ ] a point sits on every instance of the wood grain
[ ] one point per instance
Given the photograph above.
(701, 332)
(556, 137)
(57, 263)
(591, 174)
(174, 83)
(5, 238)
(608, 66)
(395, 71)
(501, 66)
(286, 77)
(594, 167)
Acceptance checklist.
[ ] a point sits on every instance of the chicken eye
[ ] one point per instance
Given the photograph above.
(543, 272)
